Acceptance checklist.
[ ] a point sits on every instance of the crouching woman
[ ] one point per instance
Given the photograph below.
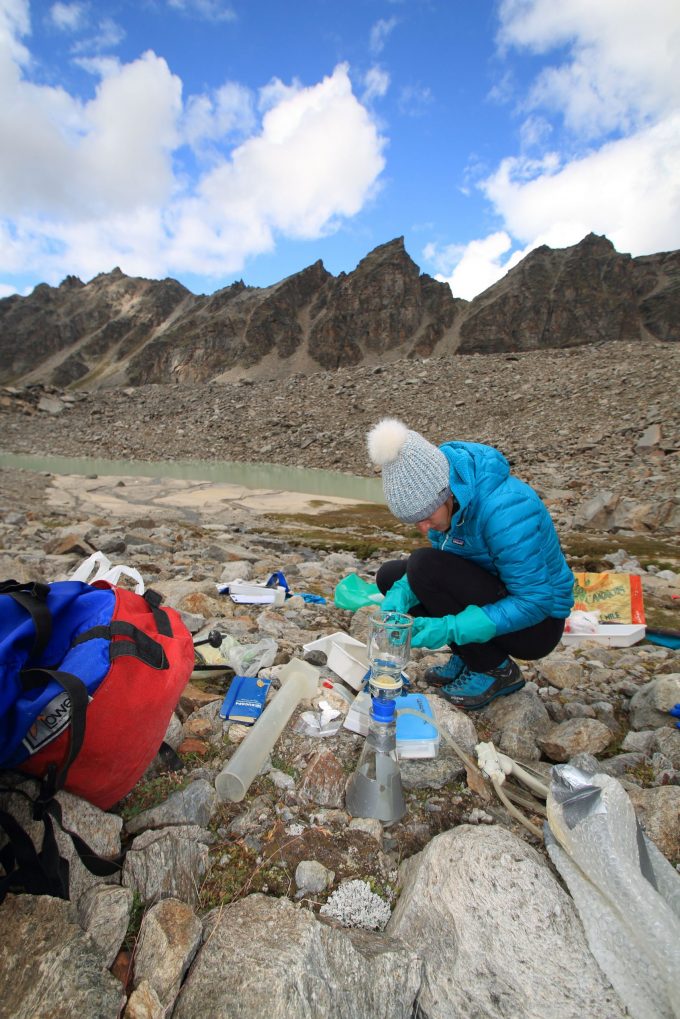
(494, 584)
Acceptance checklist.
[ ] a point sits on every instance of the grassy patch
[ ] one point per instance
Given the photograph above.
(364, 530)
(151, 793)
(370, 529)
(213, 751)
(236, 872)
(382, 888)
(280, 764)
(642, 773)
(135, 922)
(585, 551)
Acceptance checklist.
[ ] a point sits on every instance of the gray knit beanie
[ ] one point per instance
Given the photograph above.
(415, 474)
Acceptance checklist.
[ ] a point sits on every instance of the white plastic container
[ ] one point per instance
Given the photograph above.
(324, 643)
(609, 634)
(349, 662)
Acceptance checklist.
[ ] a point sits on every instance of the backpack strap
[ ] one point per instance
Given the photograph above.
(102, 866)
(138, 644)
(163, 624)
(33, 598)
(44, 872)
(78, 696)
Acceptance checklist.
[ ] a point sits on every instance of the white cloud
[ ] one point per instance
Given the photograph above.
(88, 185)
(210, 10)
(316, 160)
(67, 159)
(471, 268)
(67, 17)
(380, 33)
(628, 189)
(376, 82)
(14, 23)
(98, 67)
(275, 92)
(414, 99)
(107, 33)
(622, 63)
(614, 170)
(618, 88)
(227, 111)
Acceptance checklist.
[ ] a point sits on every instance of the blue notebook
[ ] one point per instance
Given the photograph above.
(245, 699)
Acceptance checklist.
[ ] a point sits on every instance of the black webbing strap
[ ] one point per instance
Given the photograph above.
(138, 644)
(26, 869)
(102, 866)
(33, 598)
(78, 696)
(163, 624)
(44, 872)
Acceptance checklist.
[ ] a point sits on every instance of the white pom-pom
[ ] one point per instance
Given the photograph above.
(385, 441)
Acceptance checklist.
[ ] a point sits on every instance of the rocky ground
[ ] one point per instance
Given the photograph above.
(576, 423)
(338, 915)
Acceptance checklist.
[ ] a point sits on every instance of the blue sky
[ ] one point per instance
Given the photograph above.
(214, 140)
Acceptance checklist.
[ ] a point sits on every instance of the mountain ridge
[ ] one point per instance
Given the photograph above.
(118, 330)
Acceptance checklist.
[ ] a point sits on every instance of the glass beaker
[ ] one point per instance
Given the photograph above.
(389, 651)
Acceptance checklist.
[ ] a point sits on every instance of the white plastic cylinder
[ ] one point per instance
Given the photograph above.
(299, 681)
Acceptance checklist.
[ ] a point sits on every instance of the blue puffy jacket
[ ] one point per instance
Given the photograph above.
(503, 526)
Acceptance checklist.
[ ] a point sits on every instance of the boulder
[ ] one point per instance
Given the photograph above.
(192, 805)
(49, 966)
(575, 736)
(170, 863)
(168, 938)
(104, 912)
(501, 937)
(658, 811)
(650, 705)
(297, 968)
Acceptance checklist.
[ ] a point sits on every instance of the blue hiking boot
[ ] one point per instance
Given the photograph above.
(474, 690)
(440, 675)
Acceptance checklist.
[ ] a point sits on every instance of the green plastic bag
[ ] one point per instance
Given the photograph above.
(353, 593)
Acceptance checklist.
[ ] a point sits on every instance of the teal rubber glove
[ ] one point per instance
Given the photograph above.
(471, 626)
(400, 597)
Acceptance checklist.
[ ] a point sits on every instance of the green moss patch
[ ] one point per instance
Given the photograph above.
(151, 793)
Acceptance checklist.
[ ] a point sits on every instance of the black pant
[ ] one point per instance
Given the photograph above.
(445, 584)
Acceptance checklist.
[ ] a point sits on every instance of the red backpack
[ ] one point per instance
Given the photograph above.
(89, 677)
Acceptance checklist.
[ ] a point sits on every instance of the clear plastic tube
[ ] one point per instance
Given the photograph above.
(299, 681)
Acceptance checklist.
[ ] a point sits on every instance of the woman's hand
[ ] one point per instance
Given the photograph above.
(400, 597)
(471, 626)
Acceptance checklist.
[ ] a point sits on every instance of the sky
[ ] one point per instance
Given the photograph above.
(218, 140)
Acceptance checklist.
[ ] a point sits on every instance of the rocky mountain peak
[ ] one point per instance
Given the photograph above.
(120, 330)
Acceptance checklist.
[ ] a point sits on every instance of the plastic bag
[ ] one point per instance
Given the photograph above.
(105, 571)
(626, 892)
(325, 721)
(582, 622)
(616, 596)
(353, 593)
(248, 659)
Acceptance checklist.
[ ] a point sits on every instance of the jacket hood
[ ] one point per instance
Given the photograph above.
(474, 468)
